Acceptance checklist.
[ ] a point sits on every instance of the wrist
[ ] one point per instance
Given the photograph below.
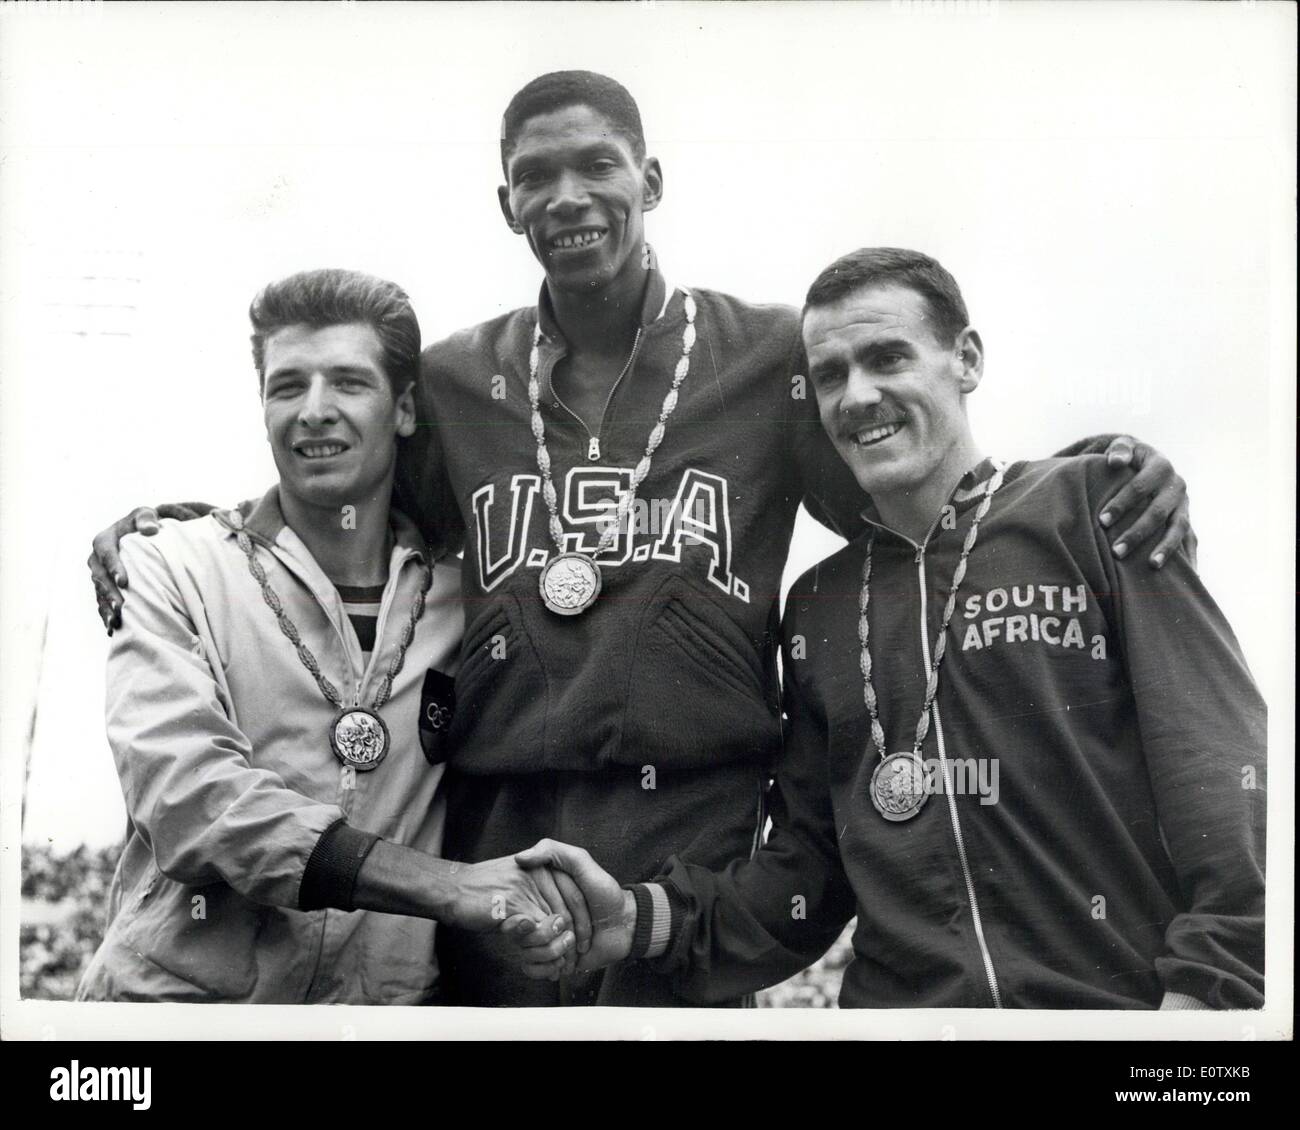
(395, 879)
(445, 893)
(627, 933)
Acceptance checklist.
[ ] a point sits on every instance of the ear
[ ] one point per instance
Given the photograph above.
(652, 177)
(404, 411)
(968, 364)
(503, 198)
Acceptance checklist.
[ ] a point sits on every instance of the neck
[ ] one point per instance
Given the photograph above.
(913, 510)
(349, 544)
(604, 319)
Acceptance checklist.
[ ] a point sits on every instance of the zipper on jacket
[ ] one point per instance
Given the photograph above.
(593, 439)
(989, 974)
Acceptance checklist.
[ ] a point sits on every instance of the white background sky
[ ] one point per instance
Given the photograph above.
(1112, 185)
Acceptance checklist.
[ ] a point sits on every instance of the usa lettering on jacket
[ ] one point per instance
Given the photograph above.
(698, 513)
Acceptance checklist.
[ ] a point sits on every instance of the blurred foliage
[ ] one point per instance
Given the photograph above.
(74, 888)
(83, 873)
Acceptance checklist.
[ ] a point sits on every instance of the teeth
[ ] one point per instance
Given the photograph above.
(875, 435)
(321, 450)
(578, 239)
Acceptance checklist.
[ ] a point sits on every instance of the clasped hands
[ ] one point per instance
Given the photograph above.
(563, 912)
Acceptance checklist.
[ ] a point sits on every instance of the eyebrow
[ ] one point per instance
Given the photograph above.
(888, 345)
(333, 370)
(867, 352)
(542, 156)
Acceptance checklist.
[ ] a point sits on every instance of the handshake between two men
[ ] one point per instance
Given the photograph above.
(596, 927)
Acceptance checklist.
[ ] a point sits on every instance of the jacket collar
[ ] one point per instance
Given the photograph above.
(969, 490)
(264, 521)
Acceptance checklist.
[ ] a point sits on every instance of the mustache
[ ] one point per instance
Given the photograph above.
(852, 422)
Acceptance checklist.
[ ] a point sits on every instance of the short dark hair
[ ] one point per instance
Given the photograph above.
(884, 266)
(560, 89)
(332, 296)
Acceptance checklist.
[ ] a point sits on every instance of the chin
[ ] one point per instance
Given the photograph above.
(580, 279)
(880, 476)
(322, 491)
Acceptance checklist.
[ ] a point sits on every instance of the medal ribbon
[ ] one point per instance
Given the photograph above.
(290, 629)
(642, 469)
(940, 644)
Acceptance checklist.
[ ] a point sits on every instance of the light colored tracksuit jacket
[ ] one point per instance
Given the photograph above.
(239, 812)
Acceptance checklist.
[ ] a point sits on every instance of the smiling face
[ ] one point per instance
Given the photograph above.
(577, 192)
(332, 418)
(889, 391)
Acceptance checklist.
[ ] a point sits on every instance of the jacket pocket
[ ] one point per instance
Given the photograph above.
(704, 648)
(486, 641)
(697, 694)
(185, 942)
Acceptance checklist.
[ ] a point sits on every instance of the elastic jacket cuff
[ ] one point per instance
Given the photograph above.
(658, 920)
(331, 873)
(1181, 1000)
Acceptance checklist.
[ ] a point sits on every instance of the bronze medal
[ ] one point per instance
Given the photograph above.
(359, 738)
(570, 583)
(898, 786)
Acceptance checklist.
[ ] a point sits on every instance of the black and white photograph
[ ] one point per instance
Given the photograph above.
(754, 521)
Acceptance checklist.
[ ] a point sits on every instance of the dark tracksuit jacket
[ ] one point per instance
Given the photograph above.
(1123, 859)
(687, 604)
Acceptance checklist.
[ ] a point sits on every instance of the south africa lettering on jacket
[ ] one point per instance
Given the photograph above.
(698, 513)
(1053, 615)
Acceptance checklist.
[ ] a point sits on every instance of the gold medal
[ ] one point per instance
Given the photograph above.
(570, 583)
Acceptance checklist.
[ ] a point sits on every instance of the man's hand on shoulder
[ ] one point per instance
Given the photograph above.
(1157, 495)
(107, 573)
